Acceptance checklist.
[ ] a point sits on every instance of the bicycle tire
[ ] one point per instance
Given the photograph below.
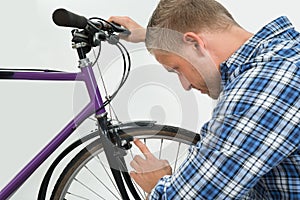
(79, 165)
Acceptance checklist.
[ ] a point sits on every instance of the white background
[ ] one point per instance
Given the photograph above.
(32, 112)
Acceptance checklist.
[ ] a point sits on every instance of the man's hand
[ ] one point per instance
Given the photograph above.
(148, 171)
(138, 33)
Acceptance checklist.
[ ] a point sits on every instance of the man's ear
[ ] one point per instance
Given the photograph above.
(194, 40)
(191, 38)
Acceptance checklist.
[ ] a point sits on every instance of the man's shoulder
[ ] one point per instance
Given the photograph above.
(278, 50)
(276, 41)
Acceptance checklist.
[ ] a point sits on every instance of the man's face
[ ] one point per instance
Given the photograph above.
(194, 71)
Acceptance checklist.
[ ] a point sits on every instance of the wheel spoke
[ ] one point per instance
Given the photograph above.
(160, 148)
(108, 174)
(76, 195)
(179, 145)
(131, 154)
(98, 195)
(101, 182)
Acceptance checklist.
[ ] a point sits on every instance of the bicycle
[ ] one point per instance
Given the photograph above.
(111, 143)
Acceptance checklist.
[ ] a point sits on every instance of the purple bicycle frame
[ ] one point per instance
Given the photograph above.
(86, 75)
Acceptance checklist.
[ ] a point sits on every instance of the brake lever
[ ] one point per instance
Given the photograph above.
(118, 28)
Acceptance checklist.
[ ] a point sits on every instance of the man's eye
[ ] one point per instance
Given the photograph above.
(175, 70)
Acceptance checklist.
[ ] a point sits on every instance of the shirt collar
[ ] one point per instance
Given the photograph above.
(248, 49)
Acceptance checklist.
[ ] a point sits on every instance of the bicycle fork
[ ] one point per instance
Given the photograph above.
(115, 150)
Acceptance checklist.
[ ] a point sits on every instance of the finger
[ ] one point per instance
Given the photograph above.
(132, 174)
(136, 166)
(136, 177)
(139, 159)
(143, 148)
(123, 36)
(113, 18)
(121, 20)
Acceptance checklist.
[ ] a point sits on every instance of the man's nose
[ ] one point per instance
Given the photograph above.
(184, 82)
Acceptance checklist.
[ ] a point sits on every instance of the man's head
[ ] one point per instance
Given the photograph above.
(178, 28)
(191, 15)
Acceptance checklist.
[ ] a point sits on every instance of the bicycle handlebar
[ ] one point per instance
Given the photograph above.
(62, 17)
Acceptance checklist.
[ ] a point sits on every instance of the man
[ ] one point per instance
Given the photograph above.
(250, 147)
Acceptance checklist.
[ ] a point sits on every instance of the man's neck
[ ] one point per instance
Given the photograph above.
(222, 45)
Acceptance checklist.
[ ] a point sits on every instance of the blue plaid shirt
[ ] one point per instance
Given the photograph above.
(250, 147)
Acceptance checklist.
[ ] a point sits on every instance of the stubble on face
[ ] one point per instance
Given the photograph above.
(200, 71)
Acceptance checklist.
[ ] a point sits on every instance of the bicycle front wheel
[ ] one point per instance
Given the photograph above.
(88, 174)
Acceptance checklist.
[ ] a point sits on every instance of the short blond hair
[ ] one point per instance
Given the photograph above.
(183, 16)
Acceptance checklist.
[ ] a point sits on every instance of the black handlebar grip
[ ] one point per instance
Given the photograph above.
(62, 17)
